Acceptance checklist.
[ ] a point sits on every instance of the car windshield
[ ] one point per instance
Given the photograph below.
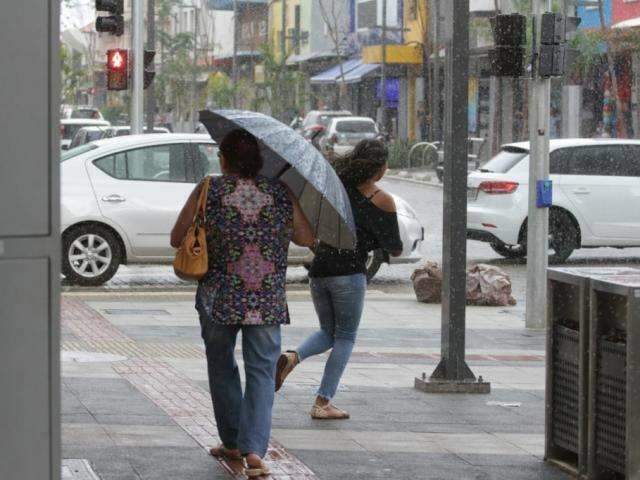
(69, 131)
(74, 152)
(84, 113)
(505, 160)
(355, 127)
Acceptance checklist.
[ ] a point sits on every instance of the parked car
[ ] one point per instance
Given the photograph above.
(88, 134)
(318, 120)
(80, 111)
(476, 150)
(344, 133)
(70, 126)
(121, 130)
(596, 197)
(121, 197)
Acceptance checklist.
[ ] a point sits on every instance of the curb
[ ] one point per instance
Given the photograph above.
(414, 181)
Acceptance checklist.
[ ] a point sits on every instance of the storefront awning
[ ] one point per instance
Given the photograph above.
(361, 71)
(331, 76)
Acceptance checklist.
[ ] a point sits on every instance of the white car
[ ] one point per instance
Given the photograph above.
(70, 126)
(121, 197)
(344, 133)
(596, 197)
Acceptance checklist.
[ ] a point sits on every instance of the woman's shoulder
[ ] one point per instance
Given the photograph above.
(384, 201)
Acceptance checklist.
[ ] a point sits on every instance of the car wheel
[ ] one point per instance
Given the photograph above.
(374, 262)
(91, 255)
(509, 251)
(563, 236)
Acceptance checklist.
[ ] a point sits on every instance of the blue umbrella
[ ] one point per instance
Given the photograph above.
(299, 165)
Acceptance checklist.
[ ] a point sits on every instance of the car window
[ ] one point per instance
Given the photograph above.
(122, 132)
(78, 139)
(93, 135)
(505, 160)
(311, 119)
(160, 163)
(605, 160)
(207, 161)
(69, 131)
(157, 163)
(631, 166)
(559, 161)
(84, 113)
(355, 127)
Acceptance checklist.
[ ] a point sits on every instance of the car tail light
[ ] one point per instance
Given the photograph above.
(497, 187)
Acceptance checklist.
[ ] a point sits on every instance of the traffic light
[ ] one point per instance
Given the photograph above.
(149, 73)
(555, 56)
(117, 69)
(509, 34)
(114, 23)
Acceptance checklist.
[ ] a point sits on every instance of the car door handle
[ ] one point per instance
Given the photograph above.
(113, 199)
(582, 191)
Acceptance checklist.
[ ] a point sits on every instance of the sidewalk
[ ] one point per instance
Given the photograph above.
(421, 176)
(136, 406)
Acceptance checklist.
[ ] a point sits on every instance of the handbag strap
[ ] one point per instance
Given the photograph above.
(201, 206)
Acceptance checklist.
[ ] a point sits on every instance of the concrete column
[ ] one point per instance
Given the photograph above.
(403, 109)
(30, 242)
(506, 96)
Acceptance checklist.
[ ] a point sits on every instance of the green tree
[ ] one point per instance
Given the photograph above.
(74, 76)
(280, 87)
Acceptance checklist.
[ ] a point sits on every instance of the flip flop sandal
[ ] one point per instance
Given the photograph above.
(254, 472)
(223, 452)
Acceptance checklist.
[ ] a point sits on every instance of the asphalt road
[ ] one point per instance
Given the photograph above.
(428, 203)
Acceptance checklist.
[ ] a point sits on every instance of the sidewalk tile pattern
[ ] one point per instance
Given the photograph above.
(185, 402)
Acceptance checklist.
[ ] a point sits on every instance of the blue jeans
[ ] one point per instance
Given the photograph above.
(244, 421)
(339, 302)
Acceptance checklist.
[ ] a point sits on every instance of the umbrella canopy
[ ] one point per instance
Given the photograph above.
(299, 165)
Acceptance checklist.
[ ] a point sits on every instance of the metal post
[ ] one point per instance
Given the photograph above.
(538, 219)
(383, 70)
(137, 73)
(452, 373)
(194, 74)
(151, 45)
(234, 66)
(435, 88)
(283, 36)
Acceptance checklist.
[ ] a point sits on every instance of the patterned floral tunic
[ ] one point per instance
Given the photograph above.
(249, 226)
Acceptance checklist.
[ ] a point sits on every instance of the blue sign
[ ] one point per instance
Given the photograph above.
(544, 193)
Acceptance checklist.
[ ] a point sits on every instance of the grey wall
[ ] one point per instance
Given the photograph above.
(29, 243)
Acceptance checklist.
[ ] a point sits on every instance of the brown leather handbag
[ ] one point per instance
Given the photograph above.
(192, 261)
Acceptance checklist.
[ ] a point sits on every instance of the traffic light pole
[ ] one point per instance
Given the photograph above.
(137, 64)
(151, 45)
(452, 373)
(538, 219)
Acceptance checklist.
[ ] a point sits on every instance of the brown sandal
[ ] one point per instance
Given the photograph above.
(286, 363)
(227, 453)
(255, 471)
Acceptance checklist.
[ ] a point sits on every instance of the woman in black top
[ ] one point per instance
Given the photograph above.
(338, 277)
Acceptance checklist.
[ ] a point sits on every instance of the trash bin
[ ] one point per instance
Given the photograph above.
(567, 429)
(567, 369)
(614, 377)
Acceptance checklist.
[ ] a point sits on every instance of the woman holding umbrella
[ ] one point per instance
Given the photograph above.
(249, 220)
(338, 279)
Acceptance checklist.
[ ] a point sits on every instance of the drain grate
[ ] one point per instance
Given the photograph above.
(611, 392)
(565, 399)
(134, 311)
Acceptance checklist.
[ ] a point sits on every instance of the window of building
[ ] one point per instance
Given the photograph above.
(367, 14)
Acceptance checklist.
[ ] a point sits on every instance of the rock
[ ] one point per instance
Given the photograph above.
(427, 283)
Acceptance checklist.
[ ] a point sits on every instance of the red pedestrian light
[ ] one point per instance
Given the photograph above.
(117, 69)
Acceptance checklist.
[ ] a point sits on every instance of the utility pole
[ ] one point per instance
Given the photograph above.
(383, 70)
(151, 45)
(435, 87)
(283, 36)
(137, 73)
(234, 66)
(538, 221)
(194, 77)
(452, 373)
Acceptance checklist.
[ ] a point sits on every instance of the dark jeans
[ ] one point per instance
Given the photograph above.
(244, 421)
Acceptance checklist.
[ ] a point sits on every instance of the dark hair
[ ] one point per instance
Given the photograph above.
(363, 163)
(241, 151)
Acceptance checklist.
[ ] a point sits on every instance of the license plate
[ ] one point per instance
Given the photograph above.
(472, 194)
